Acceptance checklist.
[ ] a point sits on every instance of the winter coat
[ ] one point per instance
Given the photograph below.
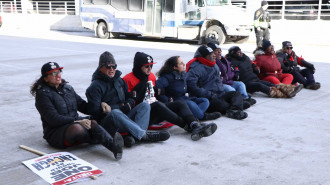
(58, 110)
(247, 70)
(131, 80)
(290, 62)
(268, 64)
(227, 72)
(113, 91)
(204, 81)
(172, 85)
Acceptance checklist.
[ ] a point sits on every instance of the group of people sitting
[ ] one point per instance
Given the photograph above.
(119, 110)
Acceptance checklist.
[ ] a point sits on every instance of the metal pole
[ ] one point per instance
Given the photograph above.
(319, 10)
(283, 9)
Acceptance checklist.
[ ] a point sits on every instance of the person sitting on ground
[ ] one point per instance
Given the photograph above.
(58, 103)
(140, 83)
(203, 80)
(230, 75)
(248, 75)
(290, 61)
(173, 86)
(270, 69)
(117, 109)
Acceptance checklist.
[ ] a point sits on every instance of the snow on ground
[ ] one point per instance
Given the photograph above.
(283, 141)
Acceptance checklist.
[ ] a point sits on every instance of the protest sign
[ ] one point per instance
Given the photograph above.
(62, 168)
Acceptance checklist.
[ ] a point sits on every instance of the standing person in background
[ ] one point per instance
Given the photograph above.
(290, 61)
(58, 103)
(261, 23)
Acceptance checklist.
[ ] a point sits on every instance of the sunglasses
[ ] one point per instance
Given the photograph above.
(55, 73)
(111, 66)
(147, 66)
(289, 47)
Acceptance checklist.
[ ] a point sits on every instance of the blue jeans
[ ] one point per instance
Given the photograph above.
(135, 122)
(198, 106)
(237, 86)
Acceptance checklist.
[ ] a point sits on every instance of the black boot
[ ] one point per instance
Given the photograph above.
(115, 144)
(211, 116)
(154, 136)
(246, 105)
(315, 86)
(199, 131)
(236, 114)
(129, 141)
(251, 100)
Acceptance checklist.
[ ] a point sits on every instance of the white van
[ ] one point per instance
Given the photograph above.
(202, 20)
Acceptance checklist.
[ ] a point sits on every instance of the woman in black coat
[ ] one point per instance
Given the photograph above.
(58, 103)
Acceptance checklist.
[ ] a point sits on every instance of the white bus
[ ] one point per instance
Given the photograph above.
(202, 20)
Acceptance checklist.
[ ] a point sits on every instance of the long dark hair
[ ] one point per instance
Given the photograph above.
(40, 83)
(168, 66)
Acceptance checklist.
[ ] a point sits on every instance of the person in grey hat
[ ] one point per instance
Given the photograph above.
(290, 61)
(110, 104)
(58, 103)
(203, 80)
(262, 23)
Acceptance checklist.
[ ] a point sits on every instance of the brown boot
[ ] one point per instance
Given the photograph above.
(289, 90)
(276, 93)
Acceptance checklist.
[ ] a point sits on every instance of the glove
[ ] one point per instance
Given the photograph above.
(258, 28)
(125, 108)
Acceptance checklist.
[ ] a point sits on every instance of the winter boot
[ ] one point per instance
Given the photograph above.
(289, 90)
(211, 116)
(246, 105)
(154, 136)
(315, 86)
(276, 93)
(251, 100)
(236, 114)
(129, 141)
(199, 131)
(115, 144)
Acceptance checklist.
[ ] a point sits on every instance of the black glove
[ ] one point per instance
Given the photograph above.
(125, 108)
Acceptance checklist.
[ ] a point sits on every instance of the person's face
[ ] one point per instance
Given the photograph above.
(109, 70)
(211, 57)
(239, 53)
(288, 49)
(180, 65)
(265, 7)
(217, 53)
(270, 49)
(146, 69)
(54, 78)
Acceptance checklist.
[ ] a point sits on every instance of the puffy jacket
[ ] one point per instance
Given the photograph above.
(227, 74)
(268, 64)
(58, 107)
(290, 62)
(113, 91)
(247, 70)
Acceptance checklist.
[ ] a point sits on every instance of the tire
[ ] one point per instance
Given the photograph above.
(215, 34)
(102, 31)
(241, 40)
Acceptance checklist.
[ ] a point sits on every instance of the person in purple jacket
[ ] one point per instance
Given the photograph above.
(230, 75)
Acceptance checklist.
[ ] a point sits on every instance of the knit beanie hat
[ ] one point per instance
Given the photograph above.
(263, 3)
(233, 49)
(214, 46)
(49, 67)
(106, 58)
(141, 59)
(265, 44)
(286, 43)
(204, 51)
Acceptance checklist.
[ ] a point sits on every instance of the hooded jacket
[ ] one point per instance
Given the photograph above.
(268, 64)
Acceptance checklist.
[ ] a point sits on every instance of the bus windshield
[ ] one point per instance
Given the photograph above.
(216, 2)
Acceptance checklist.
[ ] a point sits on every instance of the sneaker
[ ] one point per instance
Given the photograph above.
(236, 114)
(211, 116)
(204, 130)
(246, 105)
(155, 136)
(129, 141)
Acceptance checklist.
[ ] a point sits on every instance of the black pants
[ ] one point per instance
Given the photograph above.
(260, 85)
(261, 35)
(176, 112)
(230, 100)
(304, 77)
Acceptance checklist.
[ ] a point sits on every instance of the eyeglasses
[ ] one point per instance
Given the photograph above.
(111, 66)
(289, 47)
(55, 73)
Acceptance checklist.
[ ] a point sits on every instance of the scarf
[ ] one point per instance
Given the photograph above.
(201, 60)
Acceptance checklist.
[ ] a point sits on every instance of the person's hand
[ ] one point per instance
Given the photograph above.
(86, 123)
(125, 108)
(105, 108)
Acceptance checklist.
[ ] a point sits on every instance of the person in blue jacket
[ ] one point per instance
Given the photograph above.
(172, 86)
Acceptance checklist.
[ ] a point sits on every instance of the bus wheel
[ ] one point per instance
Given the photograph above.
(102, 31)
(215, 34)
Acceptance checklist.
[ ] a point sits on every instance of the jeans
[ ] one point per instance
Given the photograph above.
(237, 86)
(198, 106)
(135, 122)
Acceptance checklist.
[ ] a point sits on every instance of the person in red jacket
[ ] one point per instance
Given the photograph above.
(271, 70)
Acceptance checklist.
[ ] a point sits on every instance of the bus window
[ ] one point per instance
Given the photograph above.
(100, 2)
(200, 3)
(169, 6)
(119, 4)
(135, 5)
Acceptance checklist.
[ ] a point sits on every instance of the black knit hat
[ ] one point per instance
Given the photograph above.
(141, 59)
(106, 58)
(286, 43)
(204, 50)
(49, 67)
(233, 49)
(214, 46)
(263, 3)
(265, 44)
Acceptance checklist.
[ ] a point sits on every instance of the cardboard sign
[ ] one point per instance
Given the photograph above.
(62, 168)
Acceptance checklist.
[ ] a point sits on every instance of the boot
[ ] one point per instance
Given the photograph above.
(246, 105)
(251, 100)
(289, 90)
(199, 131)
(129, 141)
(236, 114)
(154, 136)
(276, 93)
(211, 116)
(315, 86)
(115, 144)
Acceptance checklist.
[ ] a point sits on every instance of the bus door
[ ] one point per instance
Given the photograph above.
(153, 17)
